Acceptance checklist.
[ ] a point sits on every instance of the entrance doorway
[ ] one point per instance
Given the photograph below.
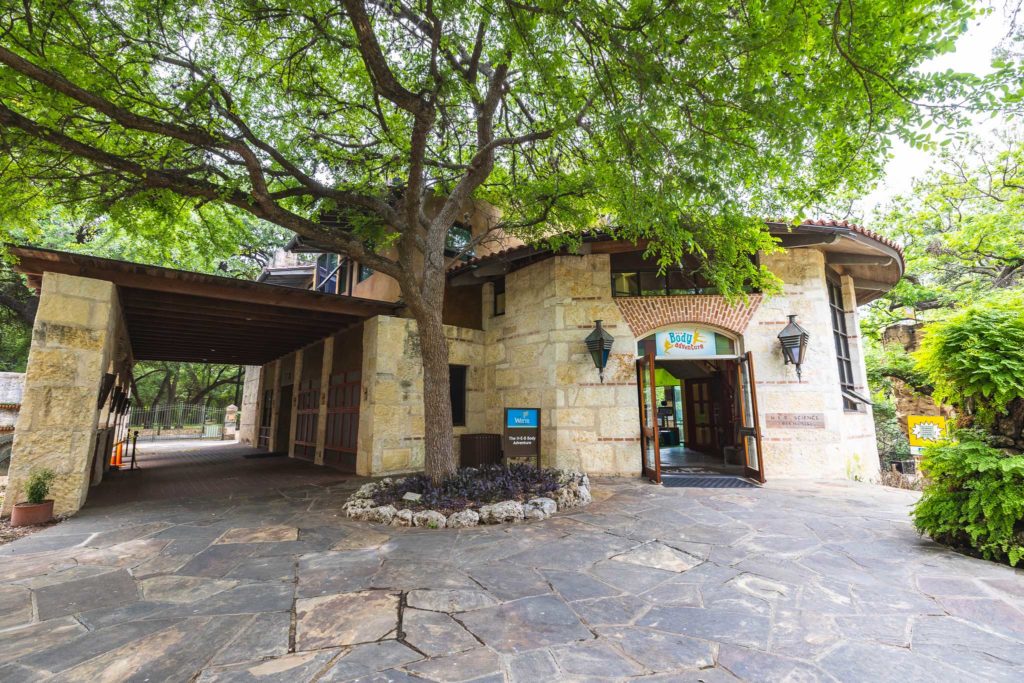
(698, 407)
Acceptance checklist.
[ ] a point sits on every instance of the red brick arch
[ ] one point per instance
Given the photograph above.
(647, 313)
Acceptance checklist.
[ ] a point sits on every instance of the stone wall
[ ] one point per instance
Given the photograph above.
(78, 336)
(250, 405)
(12, 385)
(391, 417)
(536, 357)
(845, 447)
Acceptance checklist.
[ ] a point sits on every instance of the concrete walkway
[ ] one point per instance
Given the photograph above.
(196, 468)
(791, 582)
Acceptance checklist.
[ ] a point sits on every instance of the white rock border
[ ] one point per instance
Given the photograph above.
(573, 492)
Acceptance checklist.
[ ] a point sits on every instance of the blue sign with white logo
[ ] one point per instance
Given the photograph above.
(522, 418)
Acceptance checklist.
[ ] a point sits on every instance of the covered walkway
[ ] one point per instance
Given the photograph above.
(98, 317)
(186, 470)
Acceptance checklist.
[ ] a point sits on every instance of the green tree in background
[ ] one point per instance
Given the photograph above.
(962, 227)
(104, 238)
(161, 383)
(683, 122)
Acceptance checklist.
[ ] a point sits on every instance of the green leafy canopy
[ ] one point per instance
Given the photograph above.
(680, 121)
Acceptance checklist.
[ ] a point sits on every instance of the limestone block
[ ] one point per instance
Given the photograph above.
(463, 519)
(417, 459)
(382, 514)
(432, 519)
(596, 396)
(66, 310)
(505, 378)
(51, 334)
(86, 288)
(53, 367)
(395, 459)
(619, 422)
(505, 511)
(535, 377)
(575, 417)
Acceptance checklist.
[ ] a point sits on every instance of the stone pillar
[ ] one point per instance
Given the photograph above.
(275, 409)
(252, 396)
(325, 386)
(296, 387)
(853, 330)
(74, 343)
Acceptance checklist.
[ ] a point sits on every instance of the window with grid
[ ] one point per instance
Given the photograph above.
(842, 342)
(332, 274)
(633, 274)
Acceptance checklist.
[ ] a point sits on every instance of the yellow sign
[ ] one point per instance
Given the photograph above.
(925, 430)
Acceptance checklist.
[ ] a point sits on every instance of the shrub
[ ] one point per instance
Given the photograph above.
(974, 499)
(975, 359)
(469, 487)
(38, 485)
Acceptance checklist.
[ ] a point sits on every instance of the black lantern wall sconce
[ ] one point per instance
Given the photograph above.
(794, 344)
(599, 344)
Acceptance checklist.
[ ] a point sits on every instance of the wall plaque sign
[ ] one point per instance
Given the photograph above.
(796, 420)
(522, 433)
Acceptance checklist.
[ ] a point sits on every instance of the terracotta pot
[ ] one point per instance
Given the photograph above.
(29, 514)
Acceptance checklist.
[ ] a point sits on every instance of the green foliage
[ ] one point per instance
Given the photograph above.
(974, 499)
(975, 358)
(677, 121)
(15, 337)
(161, 382)
(889, 362)
(893, 444)
(38, 485)
(962, 229)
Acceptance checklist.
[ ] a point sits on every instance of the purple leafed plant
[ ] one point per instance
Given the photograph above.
(470, 488)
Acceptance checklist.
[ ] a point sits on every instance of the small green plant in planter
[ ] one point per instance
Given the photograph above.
(38, 485)
(37, 509)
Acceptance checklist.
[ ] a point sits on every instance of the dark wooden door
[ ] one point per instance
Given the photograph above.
(700, 411)
(307, 415)
(284, 420)
(649, 447)
(342, 431)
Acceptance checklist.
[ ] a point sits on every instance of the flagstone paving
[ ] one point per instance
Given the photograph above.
(790, 582)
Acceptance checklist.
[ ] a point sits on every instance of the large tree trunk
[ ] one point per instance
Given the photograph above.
(439, 460)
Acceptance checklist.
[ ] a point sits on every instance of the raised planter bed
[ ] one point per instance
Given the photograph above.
(488, 495)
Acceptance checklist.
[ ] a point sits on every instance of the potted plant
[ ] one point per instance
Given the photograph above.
(38, 509)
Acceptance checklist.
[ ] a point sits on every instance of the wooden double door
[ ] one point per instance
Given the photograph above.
(707, 406)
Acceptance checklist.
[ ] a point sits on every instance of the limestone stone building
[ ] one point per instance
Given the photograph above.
(517, 319)
(693, 382)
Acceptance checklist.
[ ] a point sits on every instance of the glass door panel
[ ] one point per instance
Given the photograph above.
(750, 428)
(651, 453)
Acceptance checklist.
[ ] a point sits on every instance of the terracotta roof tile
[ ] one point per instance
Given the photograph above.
(809, 223)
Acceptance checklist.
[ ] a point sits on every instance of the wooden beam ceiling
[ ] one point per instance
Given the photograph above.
(174, 315)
